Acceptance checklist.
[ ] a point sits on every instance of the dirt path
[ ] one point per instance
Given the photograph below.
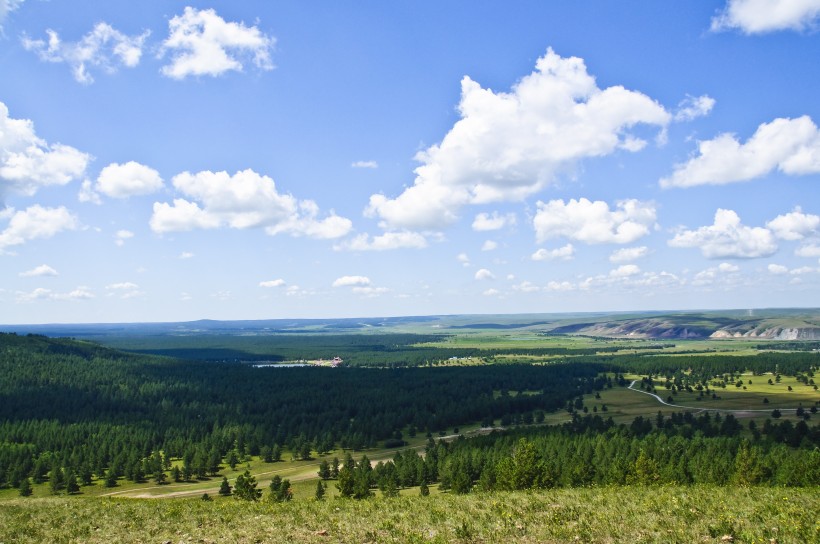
(296, 473)
(747, 412)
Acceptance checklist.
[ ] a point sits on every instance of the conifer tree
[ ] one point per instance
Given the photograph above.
(245, 487)
(225, 488)
(25, 488)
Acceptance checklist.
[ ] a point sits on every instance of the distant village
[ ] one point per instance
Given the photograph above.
(332, 363)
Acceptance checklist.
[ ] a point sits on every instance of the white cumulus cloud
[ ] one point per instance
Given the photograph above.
(244, 200)
(494, 221)
(728, 237)
(594, 222)
(509, 145)
(794, 225)
(627, 254)
(484, 274)
(693, 107)
(28, 162)
(127, 180)
(791, 146)
(383, 242)
(80, 293)
(103, 48)
(563, 253)
(777, 269)
(38, 272)
(489, 245)
(810, 250)
(201, 43)
(370, 291)
(124, 289)
(272, 283)
(36, 222)
(761, 16)
(121, 236)
(352, 281)
(560, 286)
(624, 271)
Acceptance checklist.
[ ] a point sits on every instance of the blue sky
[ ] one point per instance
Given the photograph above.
(168, 161)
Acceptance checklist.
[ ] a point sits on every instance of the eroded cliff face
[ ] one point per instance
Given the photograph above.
(698, 326)
(773, 333)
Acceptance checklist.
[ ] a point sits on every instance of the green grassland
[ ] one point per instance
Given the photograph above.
(624, 404)
(591, 515)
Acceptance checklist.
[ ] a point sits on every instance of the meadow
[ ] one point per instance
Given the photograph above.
(592, 515)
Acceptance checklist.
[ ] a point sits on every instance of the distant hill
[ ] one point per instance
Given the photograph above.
(775, 324)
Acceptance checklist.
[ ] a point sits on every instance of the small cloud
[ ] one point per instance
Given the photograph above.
(121, 236)
(463, 259)
(80, 293)
(625, 270)
(760, 17)
(126, 285)
(370, 291)
(127, 180)
(794, 225)
(494, 221)
(272, 283)
(693, 107)
(777, 269)
(564, 253)
(6, 7)
(222, 295)
(364, 164)
(104, 47)
(124, 290)
(186, 255)
(728, 267)
(727, 238)
(491, 293)
(39, 271)
(29, 163)
(484, 274)
(350, 281)
(88, 194)
(628, 254)
(201, 43)
(185, 296)
(594, 222)
(789, 146)
(384, 242)
(810, 250)
(560, 286)
(526, 287)
(36, 222)
(489, 245)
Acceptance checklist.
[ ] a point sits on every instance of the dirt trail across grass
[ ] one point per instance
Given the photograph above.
(740, 413)
(295, 473)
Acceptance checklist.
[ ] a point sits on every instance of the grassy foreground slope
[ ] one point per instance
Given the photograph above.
(609, 514)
